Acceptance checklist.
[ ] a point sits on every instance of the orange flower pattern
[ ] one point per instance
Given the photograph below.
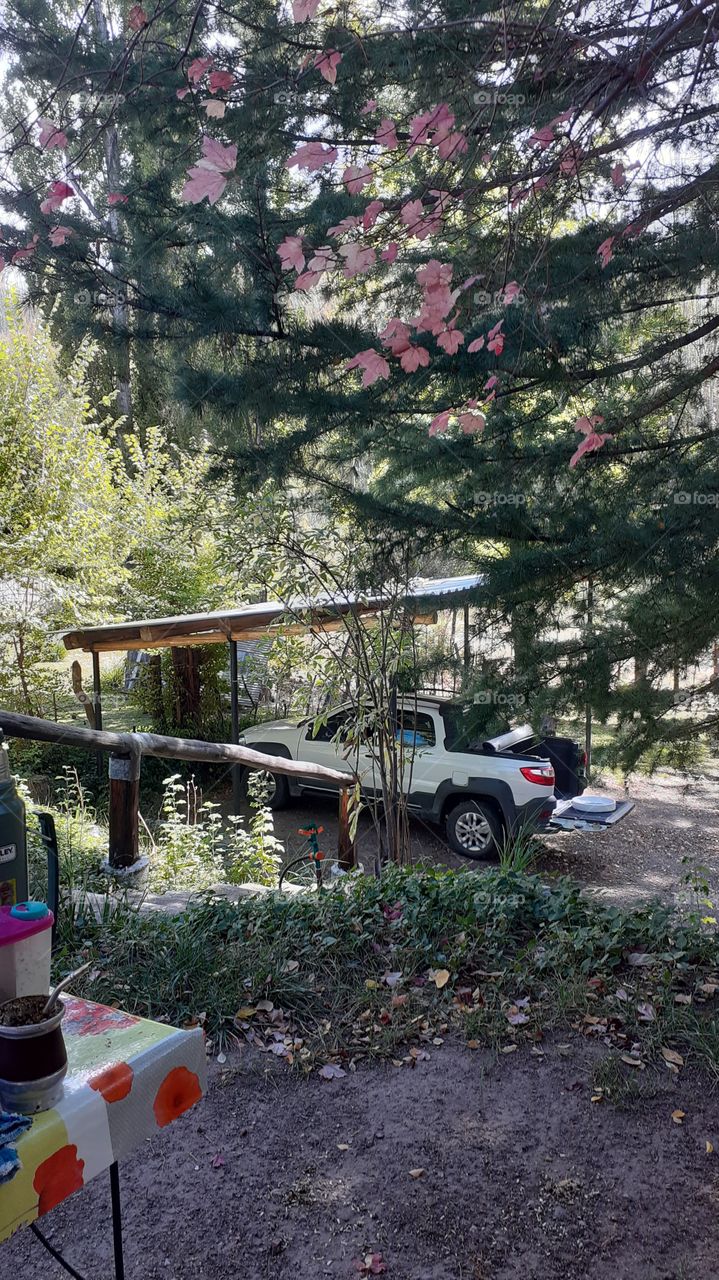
(179, 1091)
(58, 1177)
(114, 1083)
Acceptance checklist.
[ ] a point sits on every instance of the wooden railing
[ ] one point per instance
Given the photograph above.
(126, 751)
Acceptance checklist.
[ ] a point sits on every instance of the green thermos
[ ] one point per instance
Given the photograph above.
(13, 844)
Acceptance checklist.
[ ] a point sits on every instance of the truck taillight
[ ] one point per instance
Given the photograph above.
(543, 775)
(583, 759)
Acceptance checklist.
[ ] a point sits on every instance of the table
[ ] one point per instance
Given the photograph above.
(127, 1078)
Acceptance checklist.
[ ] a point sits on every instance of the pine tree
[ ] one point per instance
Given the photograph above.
(527, 250)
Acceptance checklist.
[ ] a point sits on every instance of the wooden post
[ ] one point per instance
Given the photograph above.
(346, 850)
(97, 701)
(124, 809)
(235, 736)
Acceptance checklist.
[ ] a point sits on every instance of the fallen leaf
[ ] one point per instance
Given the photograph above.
(682, 999)
(709, 1147)
(331, 1072)
(221, 1057)
(343, 1146)
(473, 1044)
(632, 1061)
(516, 1019)
(371, 985)
(646, 1012)
(398, 1001)
(247, 1011)
(597, 1097)
(265, 1005)
(672, 1057)
(440, 977)
(291, 966)
(509, 1048)
(217, 1161)
(708, 988)
(391, 979)
(640, 958)
(678, 1116)
(416, 1173)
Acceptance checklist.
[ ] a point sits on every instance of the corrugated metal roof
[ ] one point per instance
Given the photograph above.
(251, 621)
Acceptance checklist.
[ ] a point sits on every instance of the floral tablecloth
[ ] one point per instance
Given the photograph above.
(127, 1078)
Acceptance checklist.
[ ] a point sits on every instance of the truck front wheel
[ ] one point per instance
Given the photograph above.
(473, 830)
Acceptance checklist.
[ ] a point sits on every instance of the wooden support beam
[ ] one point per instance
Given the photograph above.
(155, 640)
(235, 732)
(124, 809)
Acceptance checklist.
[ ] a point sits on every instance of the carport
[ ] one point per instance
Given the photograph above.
(424, 598)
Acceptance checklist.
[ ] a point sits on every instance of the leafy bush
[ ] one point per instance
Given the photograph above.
(460, 947)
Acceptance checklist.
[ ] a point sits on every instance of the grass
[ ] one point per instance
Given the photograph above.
(378, 969)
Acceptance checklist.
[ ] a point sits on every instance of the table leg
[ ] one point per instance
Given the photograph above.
(117, 1221)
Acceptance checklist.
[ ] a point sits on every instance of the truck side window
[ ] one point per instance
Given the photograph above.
(328, 730)
(416, 729)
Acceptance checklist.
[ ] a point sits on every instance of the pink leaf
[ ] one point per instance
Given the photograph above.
(115, 197)
(495, 339)
(215, 108)
(590, 444)
(220, 80)
(414, 358)
(571, 159)
(181, 93)
(312, 155)
(371, 214)
(491, 382)
(197, 69)
(450, 341)
(472, 423)
(302, 10)
(58, 192)
(370, 105)
(217, 1161)
(347, 224)
(395, 335)
(59, 235)
(543, 138)
(290, 253)
(386, 135)
(605, 250)
(586, 425)
(375, 366)
(355, 178)
(327, 64)
(475, 345)
(358, 259)
(412, 215)
(219, 157)
(50, 135)
(390, 253)
(439, 424)
(137, 18)
(307, 280)
(322, 260)
(203, 181)
(452, 144)
(510, 292)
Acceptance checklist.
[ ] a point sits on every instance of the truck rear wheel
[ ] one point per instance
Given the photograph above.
(272, 788)
(473, 829)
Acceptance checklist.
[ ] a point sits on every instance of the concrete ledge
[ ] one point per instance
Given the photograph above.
(172, 903)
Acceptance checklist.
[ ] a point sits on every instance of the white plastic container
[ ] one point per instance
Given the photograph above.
(25, 944)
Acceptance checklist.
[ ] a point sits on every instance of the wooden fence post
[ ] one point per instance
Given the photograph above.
(346, 850)
(124, 809)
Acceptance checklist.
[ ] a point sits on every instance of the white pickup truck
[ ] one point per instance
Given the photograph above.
(479, 791)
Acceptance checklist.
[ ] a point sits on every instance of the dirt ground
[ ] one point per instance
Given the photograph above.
(273, 1177)
(676, 816)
